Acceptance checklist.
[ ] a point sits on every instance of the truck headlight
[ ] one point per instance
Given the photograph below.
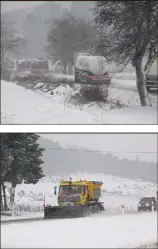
(147, 204)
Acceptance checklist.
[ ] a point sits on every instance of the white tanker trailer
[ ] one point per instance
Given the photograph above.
(91, 70)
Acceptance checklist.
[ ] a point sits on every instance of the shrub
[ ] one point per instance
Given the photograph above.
(32, 78)
(90, 93)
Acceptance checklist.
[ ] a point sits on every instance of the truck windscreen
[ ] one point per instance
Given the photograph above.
(70, 189)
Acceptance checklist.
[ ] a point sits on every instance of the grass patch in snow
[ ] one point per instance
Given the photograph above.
(44, 83)
(88, 93)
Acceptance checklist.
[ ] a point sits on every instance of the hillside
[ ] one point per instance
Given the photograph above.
(93, 162)
(34, 23)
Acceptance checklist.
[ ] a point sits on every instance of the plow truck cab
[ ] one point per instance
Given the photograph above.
(75, 199)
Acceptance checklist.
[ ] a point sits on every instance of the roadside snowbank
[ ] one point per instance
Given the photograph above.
(23, 106)
(22, 215)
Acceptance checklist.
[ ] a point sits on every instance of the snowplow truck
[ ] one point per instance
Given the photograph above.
(75, 199)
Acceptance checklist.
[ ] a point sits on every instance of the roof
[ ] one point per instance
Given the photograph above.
(81, 182)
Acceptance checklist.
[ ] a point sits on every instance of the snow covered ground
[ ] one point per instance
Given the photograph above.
(111, 229)
(117, 231)
(116, 191)
(22, 215)
(23, 106)
(122, 89)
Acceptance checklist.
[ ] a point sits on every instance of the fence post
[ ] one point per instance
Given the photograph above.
(123, 209)
(13, 210)
(44, 202)
(152, 206)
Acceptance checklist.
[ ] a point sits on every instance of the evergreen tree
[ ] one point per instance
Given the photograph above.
(20, 158)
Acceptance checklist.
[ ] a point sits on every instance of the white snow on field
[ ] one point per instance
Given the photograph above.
(122, 88)
(115, 231)
(22, 106)
(115, 192)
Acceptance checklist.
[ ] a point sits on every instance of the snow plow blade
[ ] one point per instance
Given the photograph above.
(57, 212)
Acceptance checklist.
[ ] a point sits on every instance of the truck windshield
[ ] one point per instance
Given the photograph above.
(70, 190)
(40, 65)
(148, 199)
(25, 65)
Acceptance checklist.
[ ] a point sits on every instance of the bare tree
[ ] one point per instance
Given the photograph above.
(11, 39)
(68, 35)
(132, 35)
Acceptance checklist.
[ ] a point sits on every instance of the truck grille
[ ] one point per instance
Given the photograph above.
(69, 198)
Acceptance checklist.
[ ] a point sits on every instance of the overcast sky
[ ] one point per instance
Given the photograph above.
(13, 5)
(131, 146)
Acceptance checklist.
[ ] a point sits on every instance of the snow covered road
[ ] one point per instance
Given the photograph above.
(22, 106)
(92, 232)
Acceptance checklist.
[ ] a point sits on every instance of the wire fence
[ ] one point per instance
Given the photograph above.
(28, 208)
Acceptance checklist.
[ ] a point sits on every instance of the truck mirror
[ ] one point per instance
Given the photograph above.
(55, 190)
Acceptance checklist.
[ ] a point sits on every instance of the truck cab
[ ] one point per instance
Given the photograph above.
(78, 192)
(152, 76)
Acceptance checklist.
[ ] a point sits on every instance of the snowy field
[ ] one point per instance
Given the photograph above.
(115, 231)
(116, 191)
(111, 229)
(48, 105)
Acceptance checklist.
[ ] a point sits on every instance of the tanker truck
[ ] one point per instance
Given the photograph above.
(90, 69)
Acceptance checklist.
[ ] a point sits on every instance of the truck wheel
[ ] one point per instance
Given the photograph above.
(101, 208)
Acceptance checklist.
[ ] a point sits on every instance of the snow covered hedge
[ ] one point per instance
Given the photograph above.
(33, 79)
(47, 83)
